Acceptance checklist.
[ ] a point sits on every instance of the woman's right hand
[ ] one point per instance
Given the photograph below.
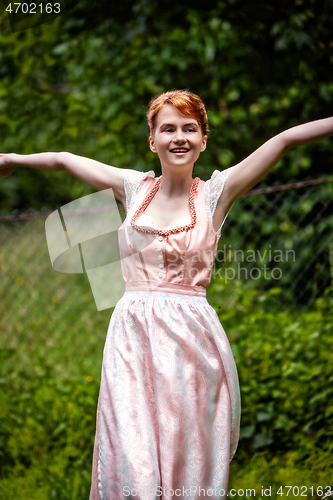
(6, 166)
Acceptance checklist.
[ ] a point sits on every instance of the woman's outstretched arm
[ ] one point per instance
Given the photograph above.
(94, 173)
(250, 171)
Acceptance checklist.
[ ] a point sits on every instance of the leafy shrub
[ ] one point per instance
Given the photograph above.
(285, 367)
(46, 432)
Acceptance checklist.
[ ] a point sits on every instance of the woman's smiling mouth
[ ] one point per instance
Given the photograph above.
(179, 151)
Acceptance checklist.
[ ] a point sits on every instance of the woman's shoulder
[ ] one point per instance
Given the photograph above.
(213, 190)
(219, 176)
(135, 176)
(133, 181)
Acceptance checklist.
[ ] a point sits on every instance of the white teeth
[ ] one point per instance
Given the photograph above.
(179, 150)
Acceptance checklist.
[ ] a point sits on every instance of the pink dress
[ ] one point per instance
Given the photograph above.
(169, 405)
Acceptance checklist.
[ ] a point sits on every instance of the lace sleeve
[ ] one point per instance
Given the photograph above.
(213, 190)
(133, 180)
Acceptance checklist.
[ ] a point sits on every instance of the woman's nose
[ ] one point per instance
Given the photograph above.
(180, 136)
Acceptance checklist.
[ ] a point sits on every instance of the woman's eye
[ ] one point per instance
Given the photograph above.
(171, 130)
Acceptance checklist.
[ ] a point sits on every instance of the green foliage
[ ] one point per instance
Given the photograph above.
(284, 362)
(309, 478)
(46, 431)
(259, 70)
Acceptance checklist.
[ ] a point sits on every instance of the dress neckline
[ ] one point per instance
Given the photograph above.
(177, 229)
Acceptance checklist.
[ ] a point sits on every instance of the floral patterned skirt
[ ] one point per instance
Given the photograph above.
(169, 405)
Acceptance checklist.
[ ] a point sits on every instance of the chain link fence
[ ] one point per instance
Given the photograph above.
(281, 236)
(278, 236)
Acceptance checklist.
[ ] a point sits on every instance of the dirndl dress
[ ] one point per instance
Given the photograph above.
(169, 404)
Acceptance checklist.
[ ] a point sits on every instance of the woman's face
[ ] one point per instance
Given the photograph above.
(177, 138)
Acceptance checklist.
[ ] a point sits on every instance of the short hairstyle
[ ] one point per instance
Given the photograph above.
(185, 101)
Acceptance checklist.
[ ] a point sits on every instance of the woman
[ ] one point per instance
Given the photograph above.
(169, 405)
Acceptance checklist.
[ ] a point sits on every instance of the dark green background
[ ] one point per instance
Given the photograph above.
(82, 83)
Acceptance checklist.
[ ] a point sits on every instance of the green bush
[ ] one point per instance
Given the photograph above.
(46, 432)
(285, 367)
(286, 475)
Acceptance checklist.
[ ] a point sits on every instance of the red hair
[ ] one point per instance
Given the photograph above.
(185, 101)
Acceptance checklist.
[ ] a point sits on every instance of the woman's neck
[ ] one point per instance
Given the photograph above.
(174, 185)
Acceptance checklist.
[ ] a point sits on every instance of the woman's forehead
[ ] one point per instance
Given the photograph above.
(170, 114)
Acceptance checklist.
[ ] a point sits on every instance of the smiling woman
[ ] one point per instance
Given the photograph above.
(169, 404)
(178, 134)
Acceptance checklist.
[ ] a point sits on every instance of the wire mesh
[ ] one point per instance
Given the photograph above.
(281, 239)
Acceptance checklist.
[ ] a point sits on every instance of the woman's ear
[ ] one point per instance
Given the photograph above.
(152, 144)
(204, 143)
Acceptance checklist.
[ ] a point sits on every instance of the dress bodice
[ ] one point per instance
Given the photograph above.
(146, 220)
(180, 262)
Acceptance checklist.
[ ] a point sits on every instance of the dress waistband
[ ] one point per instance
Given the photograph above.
(166, 287)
